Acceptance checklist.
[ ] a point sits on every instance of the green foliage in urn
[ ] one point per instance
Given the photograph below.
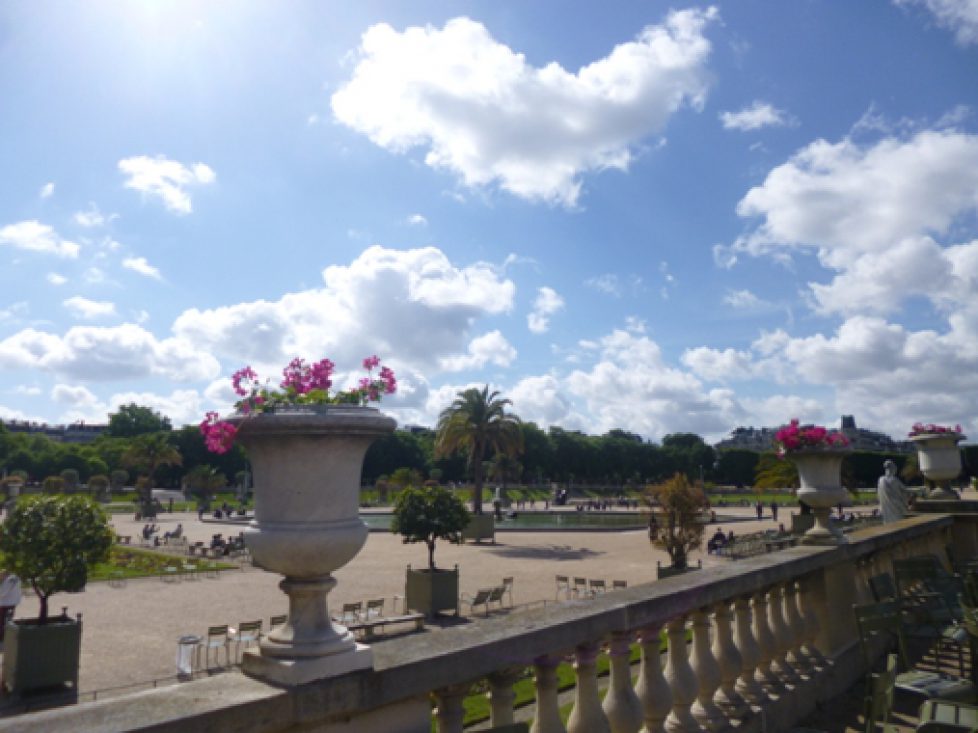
(428, 514)
(52, 542)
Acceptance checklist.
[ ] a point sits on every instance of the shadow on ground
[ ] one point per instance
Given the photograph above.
(545, 552)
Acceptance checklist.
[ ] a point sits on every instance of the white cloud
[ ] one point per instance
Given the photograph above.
(417, 220)
(489, 117)
(491, 347)
(543, 400)
(742, 299)
(105, 354)
(413, 305)
(56, 279)
(90, 218)
(73, 395)
(29, 390)
(47, 190)
(755, 116)
(34, 236)
(718, 366)
(140, 265)
(84, 308)
(960, 16)
(166, 179)
(547, 303)
(607, 283)
(846, 199)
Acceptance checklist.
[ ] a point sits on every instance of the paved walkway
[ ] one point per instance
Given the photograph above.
(130, 633)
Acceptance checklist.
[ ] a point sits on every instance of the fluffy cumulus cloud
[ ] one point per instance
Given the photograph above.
(755, 116)
(490, 348)
(488, 116)
(85, 308)
(165, 179)
(414, 306)
(47, 190)
(632, 387)
(91, 217)
(547, 303)
(960, 16)
(90, 353)
(33, 236)
(73, 395)
(140, 265)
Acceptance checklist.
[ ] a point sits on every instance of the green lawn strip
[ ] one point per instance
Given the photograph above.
(476, 704)
(132, 562)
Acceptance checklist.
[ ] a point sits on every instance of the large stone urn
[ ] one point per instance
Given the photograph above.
(820, 474)
(939, 459)
(306, 464)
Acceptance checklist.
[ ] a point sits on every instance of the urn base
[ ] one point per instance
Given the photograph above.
(300, 671)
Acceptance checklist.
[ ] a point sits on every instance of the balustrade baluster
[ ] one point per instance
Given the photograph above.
(765, 644)
(652, 688)
(750, 653)
(547, 719)
(707, 672)
(501, 694)
(796, 626)
(781, 635)
(730, 661)
(682, 680)
(449, 713)
(587, 715)
(621, 704)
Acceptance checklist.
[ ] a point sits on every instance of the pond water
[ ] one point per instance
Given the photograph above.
(582, 521)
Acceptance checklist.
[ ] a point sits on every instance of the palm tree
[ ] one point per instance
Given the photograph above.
(477, 421)
(147, 453)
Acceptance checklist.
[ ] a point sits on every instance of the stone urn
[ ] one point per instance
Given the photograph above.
(939, 459)
(820, 474)
(306, 465)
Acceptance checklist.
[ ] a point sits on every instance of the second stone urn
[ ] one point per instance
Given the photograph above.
(306, 463)
(820, 475)
(939, 459)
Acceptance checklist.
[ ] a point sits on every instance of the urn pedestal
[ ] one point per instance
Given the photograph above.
(939, 459)
(820, 474)
(306, 463)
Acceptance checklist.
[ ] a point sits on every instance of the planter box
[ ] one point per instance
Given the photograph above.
(41, 657)
(670, 571)
(431, 592)
(480, 527)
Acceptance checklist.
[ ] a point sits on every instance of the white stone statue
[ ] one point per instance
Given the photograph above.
(893, 494)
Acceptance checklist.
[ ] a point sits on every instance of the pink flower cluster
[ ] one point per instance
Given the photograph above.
(302, 384)
(218, 434)
(794, 437)
(931, 429)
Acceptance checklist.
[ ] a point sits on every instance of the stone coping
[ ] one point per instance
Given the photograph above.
(415, 665)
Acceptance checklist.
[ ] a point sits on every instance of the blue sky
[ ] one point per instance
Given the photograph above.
(662, 218)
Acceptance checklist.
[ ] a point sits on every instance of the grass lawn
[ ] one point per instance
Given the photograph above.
(132, 562)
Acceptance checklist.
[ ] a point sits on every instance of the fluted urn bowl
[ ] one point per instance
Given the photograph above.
(306, 465)
(939, 460)
(820, 476)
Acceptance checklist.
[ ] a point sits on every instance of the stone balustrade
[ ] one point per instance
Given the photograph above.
(771, 636)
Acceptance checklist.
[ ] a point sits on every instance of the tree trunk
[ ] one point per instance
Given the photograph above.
(476, 478)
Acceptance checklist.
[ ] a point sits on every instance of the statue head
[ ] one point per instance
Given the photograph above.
(889, 467)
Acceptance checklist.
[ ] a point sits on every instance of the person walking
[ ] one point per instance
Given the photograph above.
(759, 508)
(774, 510)
(10, 595)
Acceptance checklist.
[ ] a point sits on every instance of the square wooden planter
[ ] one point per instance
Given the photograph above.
(480, 527)
(430, 592)
(39, 657)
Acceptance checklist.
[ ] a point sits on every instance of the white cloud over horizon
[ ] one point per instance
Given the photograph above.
(489, 117)
(33, 236)
(165, 179)
(756, 115)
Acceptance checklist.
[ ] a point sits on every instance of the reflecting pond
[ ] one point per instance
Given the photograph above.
(584, 521)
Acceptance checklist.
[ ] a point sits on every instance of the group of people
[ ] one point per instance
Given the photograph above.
(718, 540)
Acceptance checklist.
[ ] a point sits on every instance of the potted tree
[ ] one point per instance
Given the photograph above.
(679, 529)
(50, 543)
(426, 515)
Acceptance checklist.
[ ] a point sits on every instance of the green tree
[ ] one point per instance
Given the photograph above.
(203, 481)
(51, 542)
(477, 422)
(775, 473)
(678, 506)
(428, 514)
(147, 453)
(70, 478)
(132, 420)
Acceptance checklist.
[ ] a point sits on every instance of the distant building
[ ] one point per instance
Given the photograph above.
(78, 432)
(762, 439)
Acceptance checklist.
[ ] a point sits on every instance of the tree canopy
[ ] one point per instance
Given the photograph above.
(428, 514)
(132, 419)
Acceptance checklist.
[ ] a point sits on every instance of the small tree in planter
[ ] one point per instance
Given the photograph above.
(50, 543)
(427, 515)
(680, 530)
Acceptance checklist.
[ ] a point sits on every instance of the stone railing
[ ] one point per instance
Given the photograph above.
(771, 636)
